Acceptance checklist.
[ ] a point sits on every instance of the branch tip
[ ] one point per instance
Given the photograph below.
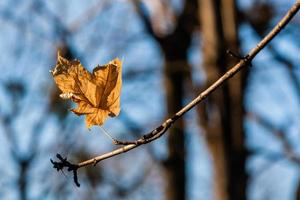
(64, 163)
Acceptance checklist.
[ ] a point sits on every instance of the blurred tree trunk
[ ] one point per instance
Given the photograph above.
(23, 180)
(222, 114)
(176, 69)
(175, 47)
(298, 191)
(175, 163)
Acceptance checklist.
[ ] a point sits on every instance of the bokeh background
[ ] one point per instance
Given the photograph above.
(241, 143)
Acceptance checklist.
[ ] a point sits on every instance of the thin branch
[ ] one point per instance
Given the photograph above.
(280, 58)
(140, 10)
(288, 151)
(88, 15)
(159, 131)
(279, 133)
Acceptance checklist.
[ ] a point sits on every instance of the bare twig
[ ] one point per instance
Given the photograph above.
(159, 131)
(279, 133)
(90, 13)
(288, 153)
(65, 163)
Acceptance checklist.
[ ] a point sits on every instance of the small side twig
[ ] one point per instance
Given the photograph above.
(238, 56)
(159, 131)
(235, 55)
(280, 134)
(64, 163)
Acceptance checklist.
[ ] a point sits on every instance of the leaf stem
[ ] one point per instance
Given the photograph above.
(160, 130)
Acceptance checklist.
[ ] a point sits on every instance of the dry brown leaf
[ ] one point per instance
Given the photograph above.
(97, 94)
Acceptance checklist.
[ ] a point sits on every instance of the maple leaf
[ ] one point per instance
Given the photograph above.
(97, 94)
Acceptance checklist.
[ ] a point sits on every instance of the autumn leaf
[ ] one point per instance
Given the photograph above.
(97, 94)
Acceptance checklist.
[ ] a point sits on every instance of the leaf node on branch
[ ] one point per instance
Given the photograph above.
(160, 130)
